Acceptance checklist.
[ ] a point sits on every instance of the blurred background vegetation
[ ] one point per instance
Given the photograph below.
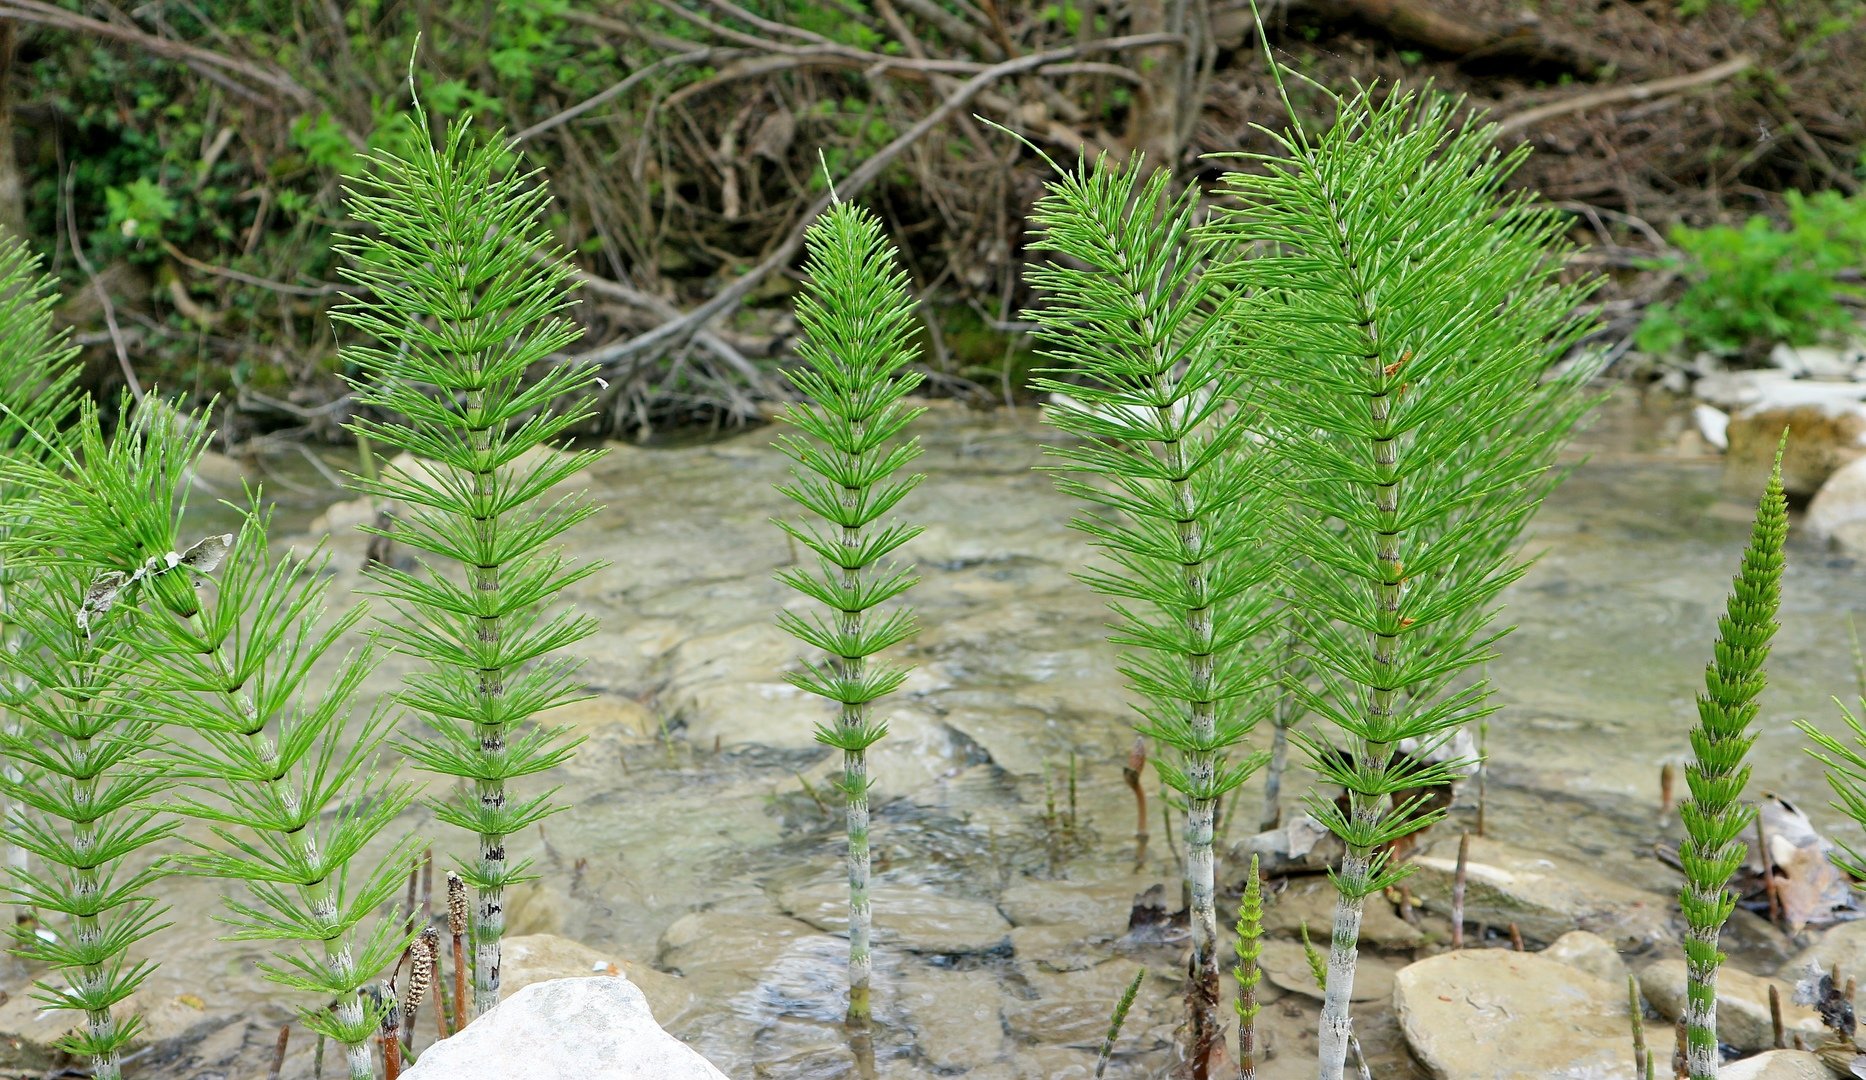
(180, 162)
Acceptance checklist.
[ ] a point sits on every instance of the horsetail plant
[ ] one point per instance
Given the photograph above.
(1713, 815)
(285, 785)
(465, 293)
(857, 322)
(38, 370)
(287, 781)
(1117, 1021)
(82, 784)
(1179, 504)
(1400, 315)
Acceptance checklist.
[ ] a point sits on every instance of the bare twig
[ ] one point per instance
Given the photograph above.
(1635, 92)
(103, 294)
(672, 333)
(205, 61)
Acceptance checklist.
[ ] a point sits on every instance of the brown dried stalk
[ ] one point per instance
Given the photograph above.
(457, 925)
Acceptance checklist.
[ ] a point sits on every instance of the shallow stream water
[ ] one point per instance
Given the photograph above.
(695, 843)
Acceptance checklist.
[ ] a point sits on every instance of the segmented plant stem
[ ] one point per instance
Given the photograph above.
(320, 896)
(489, 927)
(855, 788)
(1714, 816)
(1365, 810)
(1201, 766)
(92, 977)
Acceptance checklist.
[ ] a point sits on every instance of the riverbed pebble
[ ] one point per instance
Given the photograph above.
(1493, 1014)
(1742, 1004)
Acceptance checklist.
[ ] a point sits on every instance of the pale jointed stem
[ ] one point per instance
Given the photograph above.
(1701, 1057)
(92, 977)
(1372, 758)
(489, 926)
(855, 788)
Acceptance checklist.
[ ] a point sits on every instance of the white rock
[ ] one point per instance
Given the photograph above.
(1816, 361)
(1732, 390)
(1714, 424)
(1837, 514)
(1493, 1014)
(596, 1028)
(1776, 1065)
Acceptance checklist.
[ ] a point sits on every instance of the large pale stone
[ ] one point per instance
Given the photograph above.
(1543, 895)
(1777, 1065)
(1823, 438)
(596, 1028)
(1837, 514)
(1844, 945)
(1742, 1004)
(1590, 953)
(1493, 1014)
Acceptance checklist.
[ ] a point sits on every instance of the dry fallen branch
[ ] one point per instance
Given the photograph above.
(205, 61)
(1636, 92)
(622, 357)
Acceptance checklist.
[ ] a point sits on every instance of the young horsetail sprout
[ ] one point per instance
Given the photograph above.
(857, 322)
(38, 370)
(465, 291)
(1117, 1021)
(1179, 506)
(81, 785)
(1400, 316)
(1247, 972)
(1713, 816)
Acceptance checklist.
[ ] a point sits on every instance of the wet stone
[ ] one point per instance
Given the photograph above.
(954, 1016)
(1493, 1014)
(1544, 895)
(1285, 964)
(1742, 1004)
(1312, 900)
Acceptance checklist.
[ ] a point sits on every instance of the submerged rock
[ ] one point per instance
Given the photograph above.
(1543, 895)
(595, 1028)
(535, 958)
(1492, 1014)
(1742, 1004)
(909, 918)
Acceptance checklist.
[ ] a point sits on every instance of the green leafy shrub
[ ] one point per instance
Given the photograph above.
(1752, 286)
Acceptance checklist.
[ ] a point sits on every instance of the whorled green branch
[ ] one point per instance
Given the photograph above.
(857, 321)
(1179, 505)
(460, 328)
(82, 783)
(1401, 310)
